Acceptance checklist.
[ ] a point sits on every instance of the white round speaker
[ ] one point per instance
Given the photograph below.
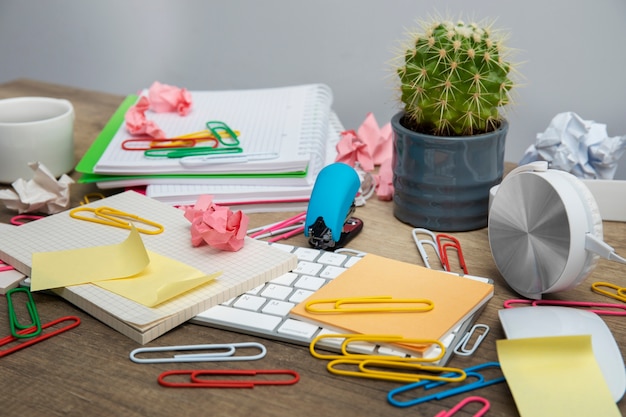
(545, 230)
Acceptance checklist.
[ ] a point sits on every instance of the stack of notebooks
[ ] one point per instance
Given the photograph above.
(295, 126)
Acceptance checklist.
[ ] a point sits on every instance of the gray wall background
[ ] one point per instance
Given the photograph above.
(572, 55)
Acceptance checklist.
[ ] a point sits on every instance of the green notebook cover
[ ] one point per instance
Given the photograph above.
(88, 162)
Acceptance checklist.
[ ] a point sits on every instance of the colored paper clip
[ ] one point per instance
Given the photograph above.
(386, 339)
(471, 373)
(472, 399)
(598, 308)
(18, 330)
(113, 217)
(148, 142)
(196, 380)
(615, 292)
(91, 197)
(21, 219)
(338, 305)
(217, 353)
(420, 371)
(195, 151)
(421, 242)
(222, 131)
(443, 251)
(297, 219)
(25, 343)
(5, 267)
(462, 349)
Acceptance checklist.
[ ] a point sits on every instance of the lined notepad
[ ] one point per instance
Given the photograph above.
(291, 122)
(455, 299)
(243, 270)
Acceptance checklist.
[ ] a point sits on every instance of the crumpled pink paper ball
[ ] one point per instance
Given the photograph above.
(168, 98)
(216, 225)
(162, 98)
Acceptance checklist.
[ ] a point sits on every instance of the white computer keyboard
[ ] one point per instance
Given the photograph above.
(264, 311)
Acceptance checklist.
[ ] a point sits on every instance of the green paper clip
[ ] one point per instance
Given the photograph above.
(14, 322)
(222, 131)
(196, 151)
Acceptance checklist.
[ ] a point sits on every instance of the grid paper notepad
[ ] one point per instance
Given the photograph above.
(256, 263)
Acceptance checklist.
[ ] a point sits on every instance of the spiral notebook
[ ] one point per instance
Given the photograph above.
(290, 124)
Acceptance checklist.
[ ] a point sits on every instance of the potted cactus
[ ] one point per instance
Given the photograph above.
(449, 137)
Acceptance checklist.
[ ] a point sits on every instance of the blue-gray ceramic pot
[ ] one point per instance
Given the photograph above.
(442, 183)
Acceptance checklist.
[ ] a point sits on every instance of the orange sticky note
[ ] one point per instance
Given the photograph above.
(455, 299)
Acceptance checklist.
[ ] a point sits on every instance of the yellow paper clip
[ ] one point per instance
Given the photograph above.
(338, 305)
(113, 217)
(384, 339)
(91, 197)
(617, 293)
(420, 371)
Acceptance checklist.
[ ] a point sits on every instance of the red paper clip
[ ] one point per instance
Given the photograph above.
(196, 380)
(443, 251)
(28, 342)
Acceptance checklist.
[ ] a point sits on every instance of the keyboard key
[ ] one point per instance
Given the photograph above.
(283, 247)
(278, 308)
(299, 329)
(255, 290)
(285, 279)
(249, 302)
(309, 283)
(331, 272)
(279, 292)
(308, 268)
(241, 318)
(299, 296)
(352, 261)
(332, 258)
(306, 254)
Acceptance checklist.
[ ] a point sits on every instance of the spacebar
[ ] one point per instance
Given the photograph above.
(232, 316)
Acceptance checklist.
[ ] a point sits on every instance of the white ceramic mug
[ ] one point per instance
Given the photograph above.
(35, 129)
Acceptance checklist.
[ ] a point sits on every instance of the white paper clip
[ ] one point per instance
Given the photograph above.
(420, 244)
(223, 352)
(461, 347)
(204, 160)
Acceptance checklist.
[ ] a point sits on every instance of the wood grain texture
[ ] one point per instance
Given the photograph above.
(87, 371)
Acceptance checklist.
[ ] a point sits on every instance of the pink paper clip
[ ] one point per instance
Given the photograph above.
(598, 308)
(443, 251)
(5, 267)
(21, 219)
(463, 403)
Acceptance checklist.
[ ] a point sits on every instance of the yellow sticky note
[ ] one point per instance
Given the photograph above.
(161, 280)
(556, 377)
(91, 264)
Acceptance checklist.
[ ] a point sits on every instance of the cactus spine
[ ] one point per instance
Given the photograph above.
(455, 79)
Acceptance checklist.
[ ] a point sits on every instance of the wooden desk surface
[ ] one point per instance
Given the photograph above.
(87, 371)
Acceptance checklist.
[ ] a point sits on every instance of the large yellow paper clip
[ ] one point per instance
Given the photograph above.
(116, 218)
(339, 305)
(377, 339)
(372, 369)
(616, 292)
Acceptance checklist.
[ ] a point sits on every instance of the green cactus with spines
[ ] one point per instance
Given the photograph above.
(455, 79)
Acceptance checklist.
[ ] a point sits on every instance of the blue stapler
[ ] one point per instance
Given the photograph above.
(328, 223)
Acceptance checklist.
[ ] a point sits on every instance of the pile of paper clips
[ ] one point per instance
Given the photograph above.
(441, 244)
(24, 335)
(415, 372)
(198, 378)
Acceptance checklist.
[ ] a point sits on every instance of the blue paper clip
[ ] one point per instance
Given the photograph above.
(221, 353)
(471, 372)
